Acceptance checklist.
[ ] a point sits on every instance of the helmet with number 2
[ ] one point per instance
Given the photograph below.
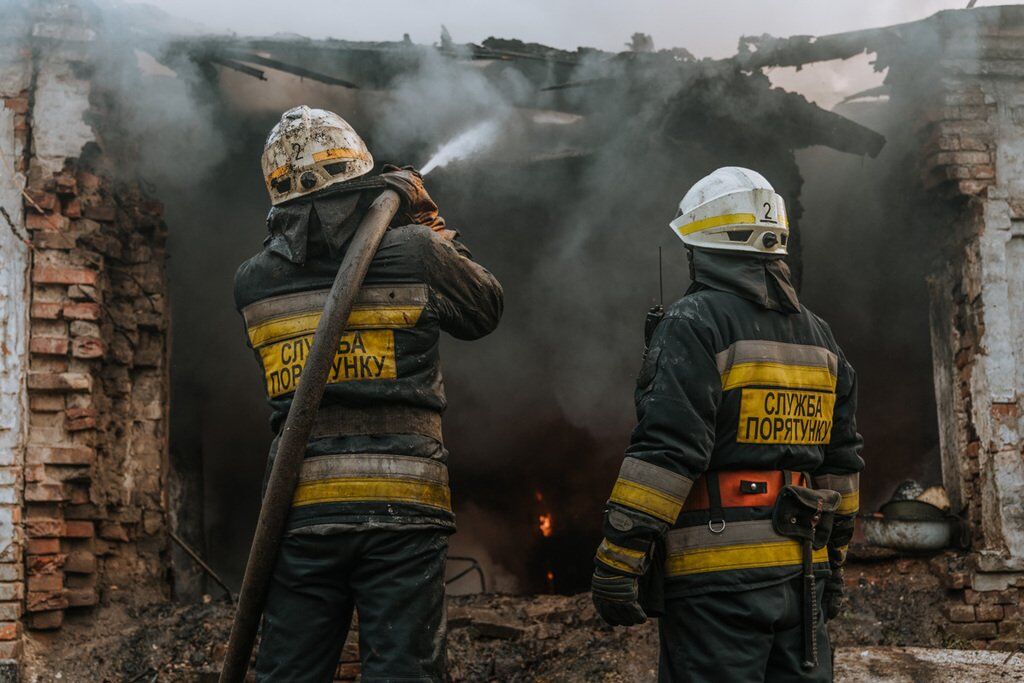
(310, 149)
(733, 209)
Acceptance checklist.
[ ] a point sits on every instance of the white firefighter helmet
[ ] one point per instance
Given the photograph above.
(310, 149)
(733, 209)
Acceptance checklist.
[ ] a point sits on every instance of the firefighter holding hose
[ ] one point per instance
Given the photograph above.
(369, 524)
(735, 502)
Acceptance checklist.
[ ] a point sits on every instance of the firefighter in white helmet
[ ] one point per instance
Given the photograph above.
(735, 502)
(372, 511)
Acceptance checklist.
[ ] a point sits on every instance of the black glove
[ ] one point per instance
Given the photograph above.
(832, 602)
(616, 598)
(417, 205)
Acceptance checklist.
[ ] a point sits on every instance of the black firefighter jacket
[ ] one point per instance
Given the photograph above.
(375, 458)
(739, 375)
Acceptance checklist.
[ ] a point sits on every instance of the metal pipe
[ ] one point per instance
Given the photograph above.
(197, 558)
(277, 501)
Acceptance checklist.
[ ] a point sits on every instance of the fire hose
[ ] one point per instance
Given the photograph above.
(277, 501)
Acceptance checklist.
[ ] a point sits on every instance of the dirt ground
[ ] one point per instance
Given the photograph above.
(895, 605)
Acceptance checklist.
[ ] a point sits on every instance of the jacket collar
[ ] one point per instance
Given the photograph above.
(764, 280)
(329, 213)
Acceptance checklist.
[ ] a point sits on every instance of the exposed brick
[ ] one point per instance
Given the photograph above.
(104, 213)
(976, 631)
(65, 184)
(44, 493)
(60, 381)
(10, 611)
(47, 620)
(81, 424)
(42, 546)
(11, 572)
(79, 413)
(114, 531)
(960, 613)
(46, 403)
(11, 649)
(80, 562)
(47, 221)
(87, 182)
(42, 583)
(82, 311)
(45, 564)
(983, 171)
(84, 328)
(46, 310)
(72, 208)
(9, 630)
(40, 199)
(60, 275)
(82, 597)
(18, 105)
(60, 455)
(87, 347)
(989, 612)
(79, 528)
(11, 591)
(54, 346)
(53, 239)
(44, 528)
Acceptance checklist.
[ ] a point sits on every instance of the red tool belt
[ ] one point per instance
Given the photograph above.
(740, 488)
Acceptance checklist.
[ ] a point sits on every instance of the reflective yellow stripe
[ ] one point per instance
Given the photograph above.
(778, 375)
(339, 153)
(623, 559)
(277, 173)
(360, 319)
(716, 221)
(850, 504)
(646, 499)
(369, 489)
(747, 556)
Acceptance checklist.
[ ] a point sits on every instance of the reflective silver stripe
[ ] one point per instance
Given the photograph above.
(843, 483)
(625, 559)
(658, 478)
(345, 421)
(313, 301)
(735, 533)
(763, 351)
(373, 466)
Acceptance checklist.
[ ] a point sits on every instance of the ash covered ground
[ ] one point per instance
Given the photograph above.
(894, 604)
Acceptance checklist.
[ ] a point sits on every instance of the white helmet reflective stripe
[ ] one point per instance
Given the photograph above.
(733, 209)
(310, 149)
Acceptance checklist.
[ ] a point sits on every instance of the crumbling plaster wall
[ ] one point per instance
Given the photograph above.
(972, 127)
(14, 264)
(83, 348)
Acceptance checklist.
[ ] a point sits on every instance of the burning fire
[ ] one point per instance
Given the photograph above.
(545, 520)
(544, 524)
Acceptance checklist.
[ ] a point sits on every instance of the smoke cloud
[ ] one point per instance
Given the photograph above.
(567, 203)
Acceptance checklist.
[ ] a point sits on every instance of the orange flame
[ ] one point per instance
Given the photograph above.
(551, 576)
(545, 524)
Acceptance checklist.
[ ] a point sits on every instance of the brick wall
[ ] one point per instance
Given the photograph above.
(961, 91)
(97, 393)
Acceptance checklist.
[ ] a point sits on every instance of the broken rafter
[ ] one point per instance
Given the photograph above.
(238, 66)
(287, 68)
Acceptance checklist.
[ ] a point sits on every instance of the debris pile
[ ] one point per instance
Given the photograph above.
(514, 638)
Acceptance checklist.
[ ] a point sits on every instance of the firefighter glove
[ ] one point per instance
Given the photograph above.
(834, 597)
(616, 598)
(417, 205)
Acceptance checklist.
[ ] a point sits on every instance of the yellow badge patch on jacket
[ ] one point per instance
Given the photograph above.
(784, 416)
(281, 330)
(366, 354)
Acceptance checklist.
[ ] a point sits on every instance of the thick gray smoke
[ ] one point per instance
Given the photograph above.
(567, 203)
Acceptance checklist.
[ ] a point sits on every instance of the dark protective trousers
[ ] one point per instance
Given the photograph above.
(395, 582)
(740, 637)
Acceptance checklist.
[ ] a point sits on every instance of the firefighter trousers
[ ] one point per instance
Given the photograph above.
(741, 637)
(395, 582)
